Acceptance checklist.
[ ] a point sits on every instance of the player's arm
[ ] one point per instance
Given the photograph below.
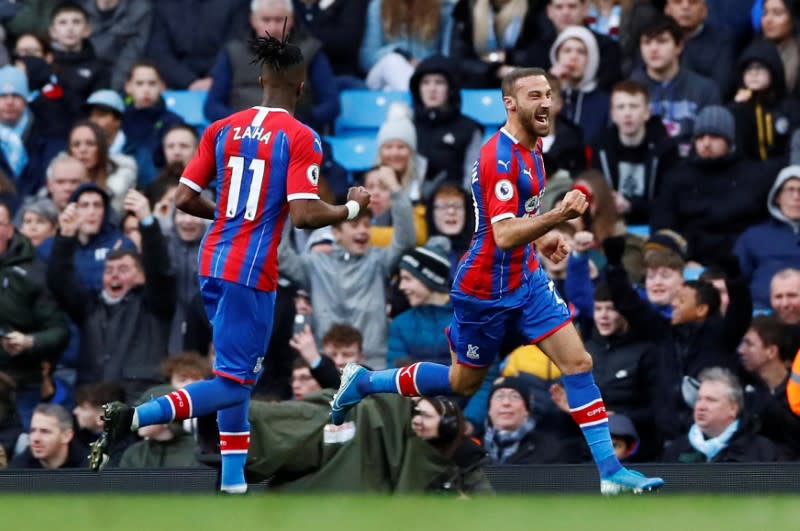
(315, 213)
(190, 201)
(513, 231)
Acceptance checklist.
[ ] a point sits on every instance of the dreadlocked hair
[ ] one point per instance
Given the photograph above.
(277, 54)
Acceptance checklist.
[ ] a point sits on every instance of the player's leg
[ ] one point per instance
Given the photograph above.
(546, 321)
(473, 348)
(234, 443)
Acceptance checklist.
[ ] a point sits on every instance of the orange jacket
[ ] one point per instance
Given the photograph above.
(793, 387)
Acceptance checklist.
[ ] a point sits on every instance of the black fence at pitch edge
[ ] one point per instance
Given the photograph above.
(767, 478)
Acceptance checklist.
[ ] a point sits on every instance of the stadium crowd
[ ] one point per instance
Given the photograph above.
(678, 119)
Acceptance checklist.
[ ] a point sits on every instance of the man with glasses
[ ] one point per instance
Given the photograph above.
(772, 246)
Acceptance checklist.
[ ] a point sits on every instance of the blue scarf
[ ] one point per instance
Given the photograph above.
(500, 445)
(711, 447)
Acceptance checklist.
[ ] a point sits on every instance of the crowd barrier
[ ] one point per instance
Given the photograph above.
(755, 478)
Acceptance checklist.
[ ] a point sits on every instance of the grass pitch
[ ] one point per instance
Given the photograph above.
(356, 513)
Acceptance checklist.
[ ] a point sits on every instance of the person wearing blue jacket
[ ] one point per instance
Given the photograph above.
(97, 236)
(769, 247)
(236, 84)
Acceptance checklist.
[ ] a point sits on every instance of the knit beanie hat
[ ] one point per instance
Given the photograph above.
(667, 239)
(716, 120)
(518, 384)
(430, 264)
(398, 126)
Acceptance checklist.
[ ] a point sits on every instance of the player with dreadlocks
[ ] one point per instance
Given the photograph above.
(266, 165)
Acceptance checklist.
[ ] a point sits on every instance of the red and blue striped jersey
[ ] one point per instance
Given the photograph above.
(508, 181)
(261, 159)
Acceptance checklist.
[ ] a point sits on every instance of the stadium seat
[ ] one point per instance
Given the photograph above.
(188, 104)
(363, 111)
(639, 230)
(355, 153)
(485, 106)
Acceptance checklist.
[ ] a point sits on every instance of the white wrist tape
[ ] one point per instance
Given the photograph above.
(353, 208)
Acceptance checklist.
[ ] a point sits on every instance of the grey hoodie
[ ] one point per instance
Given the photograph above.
(351, 289)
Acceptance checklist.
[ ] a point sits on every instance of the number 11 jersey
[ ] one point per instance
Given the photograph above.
(261, 158)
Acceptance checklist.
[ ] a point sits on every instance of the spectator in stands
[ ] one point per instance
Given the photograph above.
(779, 25)
(10, 425)
(784, 295)
(381, 182)
(489, 38)
(721, 432)
(33, 328)
(115, 173)
(119, 33)
(397, 37)
(695, 329)
(512, 437)
(624, 369)
(164, 445)
(341, 342)
(352, 272)
(236, 79)
(708, 50)
(179, 143)
(449, 213)
(79, 70)
(339, 24)
(183, 243)
(664, 261)
(623, 435)
(575, 58)
(124, 328)
(416, 334)
(32, 45)
(448, 139)
(564, 148)
(39, 220)
(64, 175)
(634, 153)
(769, 247)
(661, 44)
(96, 236)
(15, 119)
(715, 276)
(303, 382)
(130, 229)
(713, 195)
(106, 108)
(146, 118)
(761, 104)
(187, 35)
(51, 441)
(397, 148)
(88, 412)
(765, 349)
(560, 15)
(183, 368)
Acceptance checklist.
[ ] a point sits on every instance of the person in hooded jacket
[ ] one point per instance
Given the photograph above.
(576, 59)
(448, 139)
(774, 245)
(765, 116)
(97, 236)
(449, 213)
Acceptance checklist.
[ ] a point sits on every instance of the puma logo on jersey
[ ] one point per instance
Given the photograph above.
(504, 163)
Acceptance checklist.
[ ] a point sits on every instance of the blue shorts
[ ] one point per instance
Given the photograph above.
(530, 314)
(241, 321)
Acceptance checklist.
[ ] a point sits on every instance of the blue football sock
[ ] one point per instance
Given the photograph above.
(587, 408)
(234, 439)
(419, 379)
(194, 400)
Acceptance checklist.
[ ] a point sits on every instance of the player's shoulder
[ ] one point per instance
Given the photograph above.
(495, 155)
